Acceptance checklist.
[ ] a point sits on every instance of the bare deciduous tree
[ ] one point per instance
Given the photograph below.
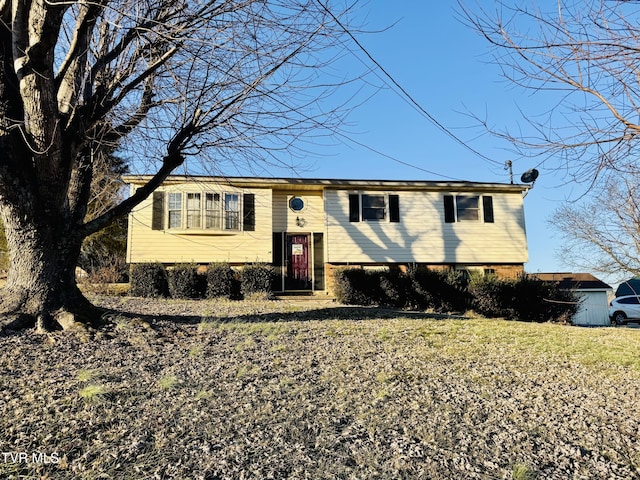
(583, 56)
(169, 80)
(603, 234)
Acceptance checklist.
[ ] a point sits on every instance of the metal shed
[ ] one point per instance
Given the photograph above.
(594, 294)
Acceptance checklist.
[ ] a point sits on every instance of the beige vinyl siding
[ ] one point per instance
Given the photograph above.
(309, 219)
(422, 235)
(201, 246)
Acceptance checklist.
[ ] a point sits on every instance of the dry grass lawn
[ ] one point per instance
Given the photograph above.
(272, 390)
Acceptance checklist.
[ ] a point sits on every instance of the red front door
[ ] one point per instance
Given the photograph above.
(298, 260)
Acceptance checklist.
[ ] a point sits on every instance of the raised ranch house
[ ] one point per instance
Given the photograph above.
(308, 227)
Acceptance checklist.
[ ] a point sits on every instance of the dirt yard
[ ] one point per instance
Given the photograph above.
(311, 390)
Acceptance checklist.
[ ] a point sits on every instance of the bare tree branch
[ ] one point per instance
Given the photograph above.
(158, 84)
(586, 57)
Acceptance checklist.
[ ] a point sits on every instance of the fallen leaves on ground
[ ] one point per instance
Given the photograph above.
(275, 390)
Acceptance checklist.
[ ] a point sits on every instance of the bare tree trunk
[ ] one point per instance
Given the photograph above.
(177, 79)
(41, 289)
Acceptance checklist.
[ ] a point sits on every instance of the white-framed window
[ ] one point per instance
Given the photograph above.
(296, 204)
(194, 212)
(231, 211)
(175, 210)
(205, 211)
(468, 207)
(213, 211)
(374, 207)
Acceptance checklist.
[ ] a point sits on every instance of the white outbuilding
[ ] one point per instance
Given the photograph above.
(593, 293)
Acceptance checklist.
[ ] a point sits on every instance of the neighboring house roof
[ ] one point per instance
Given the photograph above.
(321, 183)
(573, 281)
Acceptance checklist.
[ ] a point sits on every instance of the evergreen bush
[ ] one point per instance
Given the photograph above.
(394, 288)
(149, 280)
(356, 286)
(221, 281)
(524, 299)
(536, 301)
(184, 281)
(425, 287)
(257, 278)
(491, 297)
(454, 295)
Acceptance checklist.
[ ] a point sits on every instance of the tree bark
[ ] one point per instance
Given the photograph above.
(41, 289)
(78, 78)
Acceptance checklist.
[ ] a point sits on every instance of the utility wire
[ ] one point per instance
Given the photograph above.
(382, 154)
(405, 93)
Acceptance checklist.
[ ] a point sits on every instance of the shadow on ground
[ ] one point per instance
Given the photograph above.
(356, 313)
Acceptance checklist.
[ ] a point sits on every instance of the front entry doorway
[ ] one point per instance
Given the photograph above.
(298, 274)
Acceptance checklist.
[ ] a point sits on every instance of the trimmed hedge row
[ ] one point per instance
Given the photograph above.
(523, 299)
(184, 281)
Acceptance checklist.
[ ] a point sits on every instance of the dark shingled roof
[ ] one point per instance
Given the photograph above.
(573, 281)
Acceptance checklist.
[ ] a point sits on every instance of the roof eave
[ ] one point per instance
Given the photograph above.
(324, 183)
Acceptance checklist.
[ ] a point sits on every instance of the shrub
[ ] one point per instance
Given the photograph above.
(491, 296)
(422, 283)
(524, 299)
(454, 292)
(149, 280)
(112, 269)
(442, 291)
(394, 288)
(356, 286)
(536, 301)
(184, 281)
(221, 281)
(257, 278)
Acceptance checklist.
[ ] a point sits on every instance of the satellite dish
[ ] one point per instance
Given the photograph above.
(529, 176)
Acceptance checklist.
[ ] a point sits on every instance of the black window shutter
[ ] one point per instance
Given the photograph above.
(157, 214)
(394, 208)
(249, 212)
(278, 259)
(354, 207)
(487, 206)
(449, 210)
(318, 261)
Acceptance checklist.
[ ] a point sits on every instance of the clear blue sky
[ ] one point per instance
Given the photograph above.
(447, 68)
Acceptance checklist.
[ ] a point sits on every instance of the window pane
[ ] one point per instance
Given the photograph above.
(231, 211)
(629, 301)
(212, 211)
(175, 210)
(193, 201)
(212, 220)
(193, 210)
(231, 202)
(373, 207)
(232, 221)
(175, 201)
(175, 219)
(373, 201)
(193, 218)
(467, 208)
(212, 201)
